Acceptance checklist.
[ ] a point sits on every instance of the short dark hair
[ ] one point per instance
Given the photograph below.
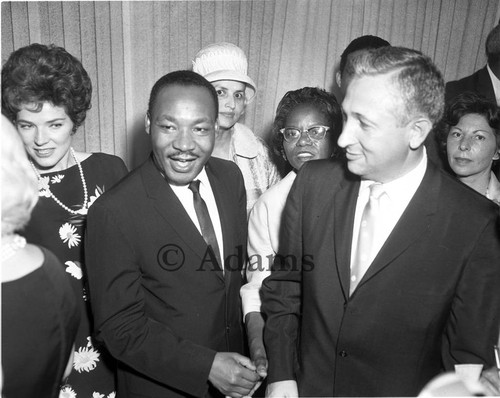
(182, 78)
(465, 104)
(493, 45)
(325, 102)
(361, 43)
(38, 73)
(419, 83)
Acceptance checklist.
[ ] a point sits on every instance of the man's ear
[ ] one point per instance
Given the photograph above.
(420, 129)
(338, 79)
(147, 123)
(216, 125)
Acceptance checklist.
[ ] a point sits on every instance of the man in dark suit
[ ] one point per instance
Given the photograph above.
(164, 266)
(482, 81)
(388, 271)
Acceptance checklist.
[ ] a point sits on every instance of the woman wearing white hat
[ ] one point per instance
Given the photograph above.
(225, 66)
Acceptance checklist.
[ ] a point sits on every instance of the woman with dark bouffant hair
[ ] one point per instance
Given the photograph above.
(46, 93)
(470, 134)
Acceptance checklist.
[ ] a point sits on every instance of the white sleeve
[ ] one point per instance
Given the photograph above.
(260, 254)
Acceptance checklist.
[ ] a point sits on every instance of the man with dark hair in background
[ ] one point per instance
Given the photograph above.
(485, 81)
(365, 42)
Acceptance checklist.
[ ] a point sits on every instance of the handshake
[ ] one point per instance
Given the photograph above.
(236, 375)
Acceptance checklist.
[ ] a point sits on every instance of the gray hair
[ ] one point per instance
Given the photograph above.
(416, 80)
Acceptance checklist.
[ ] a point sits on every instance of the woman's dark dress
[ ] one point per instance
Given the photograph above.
(39, 324)
(61, 232)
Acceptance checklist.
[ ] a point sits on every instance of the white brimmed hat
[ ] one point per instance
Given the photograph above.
(224, 61)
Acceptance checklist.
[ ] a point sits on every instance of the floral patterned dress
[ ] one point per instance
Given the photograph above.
(51, 226)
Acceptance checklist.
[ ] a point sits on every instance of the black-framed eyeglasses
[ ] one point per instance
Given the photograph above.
(316, 133)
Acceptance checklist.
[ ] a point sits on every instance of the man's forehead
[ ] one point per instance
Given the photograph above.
(371, 96)
(189, 98)
(372, 85)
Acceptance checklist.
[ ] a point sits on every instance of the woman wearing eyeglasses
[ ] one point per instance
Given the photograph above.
(306, 127)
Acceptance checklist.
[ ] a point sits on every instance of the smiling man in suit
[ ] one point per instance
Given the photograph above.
(389, 269)
(164, 255)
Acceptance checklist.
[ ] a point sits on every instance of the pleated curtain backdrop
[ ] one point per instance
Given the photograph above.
(127, 45)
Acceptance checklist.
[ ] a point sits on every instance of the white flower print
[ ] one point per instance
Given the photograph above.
(93, 198)
(99, 395)
(57, 179)
(67, 232)
(74, 269)
(43, 187)
(67, 392)
(86, 358)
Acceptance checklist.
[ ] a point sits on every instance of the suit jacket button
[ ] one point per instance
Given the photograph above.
(343, 353)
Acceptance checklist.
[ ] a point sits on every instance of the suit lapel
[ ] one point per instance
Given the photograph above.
(169, 207)
(345, 206)
(485, 85)
(414, 222)
(222, 201)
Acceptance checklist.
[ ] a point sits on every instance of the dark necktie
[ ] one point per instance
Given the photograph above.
(207, 228)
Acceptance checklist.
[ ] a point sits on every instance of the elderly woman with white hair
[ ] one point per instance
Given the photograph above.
(39, 308)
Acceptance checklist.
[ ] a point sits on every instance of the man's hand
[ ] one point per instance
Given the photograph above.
(282, 389)
(233, 374)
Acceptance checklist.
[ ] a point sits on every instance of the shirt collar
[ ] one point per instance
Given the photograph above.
(202, 176)
(403, 188)
(493, 187)
(244, 142)
(495, 82)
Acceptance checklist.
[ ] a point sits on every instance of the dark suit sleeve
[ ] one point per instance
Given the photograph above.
(118, 304)
(473, 325)
(281, 292)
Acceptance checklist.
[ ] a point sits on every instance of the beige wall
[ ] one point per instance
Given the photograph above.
(127, 46)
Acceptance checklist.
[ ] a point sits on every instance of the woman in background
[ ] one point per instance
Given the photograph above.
(307, 125)
(46, 93)
(225, 66)
(471, 136)
(39, 308)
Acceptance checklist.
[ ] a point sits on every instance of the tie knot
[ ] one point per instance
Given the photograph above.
(195, 186)
(376, 190)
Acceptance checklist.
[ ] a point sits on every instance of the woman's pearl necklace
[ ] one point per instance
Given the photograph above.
(83, 210)
(14, 243)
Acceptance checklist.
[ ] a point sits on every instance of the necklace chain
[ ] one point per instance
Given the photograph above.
(85, 193)
(15, 243)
